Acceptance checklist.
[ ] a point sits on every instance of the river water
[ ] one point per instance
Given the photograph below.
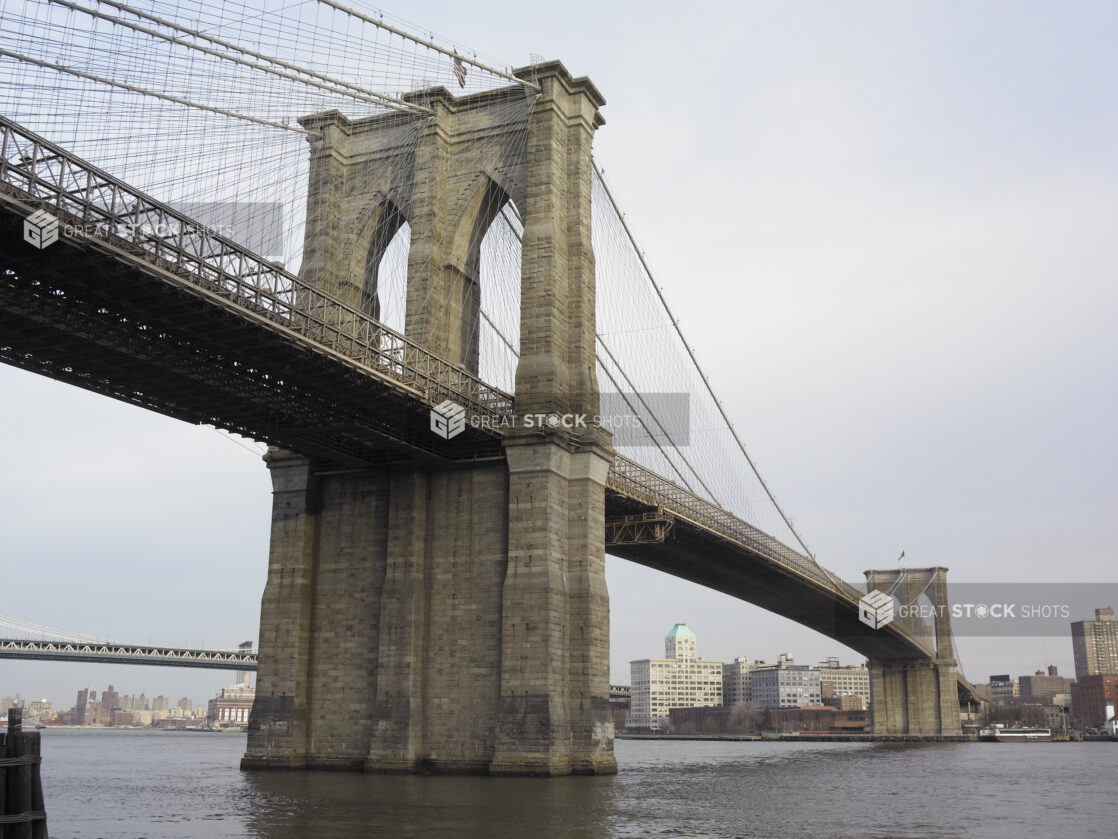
(183, 785)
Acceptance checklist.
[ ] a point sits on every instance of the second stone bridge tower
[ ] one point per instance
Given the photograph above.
(450, 616)
(917, 697)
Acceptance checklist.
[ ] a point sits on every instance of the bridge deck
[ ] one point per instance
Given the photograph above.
(149, 308)
(110, 652)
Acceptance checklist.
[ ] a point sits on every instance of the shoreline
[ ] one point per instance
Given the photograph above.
(792, 737)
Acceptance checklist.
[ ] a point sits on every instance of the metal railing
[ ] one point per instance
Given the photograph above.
(115, 215)
(635, 481)
(632, 480)
(95, 205)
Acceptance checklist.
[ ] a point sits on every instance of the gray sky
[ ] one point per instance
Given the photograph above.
(888, 230)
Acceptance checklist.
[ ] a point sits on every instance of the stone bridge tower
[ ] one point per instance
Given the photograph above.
(917, 696)
(450, 616)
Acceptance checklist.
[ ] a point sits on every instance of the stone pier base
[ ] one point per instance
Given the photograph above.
(399, 634)
(914, 698)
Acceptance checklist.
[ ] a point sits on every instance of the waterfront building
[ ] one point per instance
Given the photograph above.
(818, 718)
(848, 680)
(700, 720)
(846, 702)
(233, 705)
(1095, 644)
(81, 707)
(1042, 687)
(110, 699)
(1003, 688)
(737, 682)
(39, 710)
(786, 685)
(679, 680)
(1089, 698)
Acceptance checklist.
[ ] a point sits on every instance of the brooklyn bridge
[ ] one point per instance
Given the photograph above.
(421, 293)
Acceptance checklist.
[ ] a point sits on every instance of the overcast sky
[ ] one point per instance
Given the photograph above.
(889, 231)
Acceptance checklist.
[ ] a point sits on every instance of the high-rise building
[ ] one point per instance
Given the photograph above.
(679, 680)
(244, 677)
(81, 707)
(736, 680)
(1003, 688)
(786, 685)
(1090, 698)
(1041, 687)
(1095, 644)
(848, 680)
(110, 699)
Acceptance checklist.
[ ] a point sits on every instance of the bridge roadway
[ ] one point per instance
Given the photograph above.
(147, 308)
(112, 652)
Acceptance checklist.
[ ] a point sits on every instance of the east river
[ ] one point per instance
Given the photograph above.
(172, 785)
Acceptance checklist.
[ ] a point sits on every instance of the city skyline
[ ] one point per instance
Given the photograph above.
(190, 679)
(911, 237)
(62, 702)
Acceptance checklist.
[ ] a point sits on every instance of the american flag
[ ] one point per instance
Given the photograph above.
(459, 71)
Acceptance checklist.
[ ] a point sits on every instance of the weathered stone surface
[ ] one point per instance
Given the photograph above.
(452, 617)
(916, 697)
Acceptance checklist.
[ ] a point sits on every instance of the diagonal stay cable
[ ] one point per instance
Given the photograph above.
(695, 361)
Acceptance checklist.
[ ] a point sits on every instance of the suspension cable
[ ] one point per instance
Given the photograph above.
(429, 44)
(695, 361)
(327, 84)
(143, 90)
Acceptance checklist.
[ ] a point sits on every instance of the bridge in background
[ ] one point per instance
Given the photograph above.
(110, 652)
(412, 567)
(25, 641)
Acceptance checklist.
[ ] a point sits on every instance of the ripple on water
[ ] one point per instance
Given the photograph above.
(159, 785)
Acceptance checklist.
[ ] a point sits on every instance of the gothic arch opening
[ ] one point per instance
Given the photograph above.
(379, 232)
(391, 278)
(500, 276)
(486, 255)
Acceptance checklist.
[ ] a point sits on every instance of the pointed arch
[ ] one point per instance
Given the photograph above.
(376, 226)
(484, 203)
